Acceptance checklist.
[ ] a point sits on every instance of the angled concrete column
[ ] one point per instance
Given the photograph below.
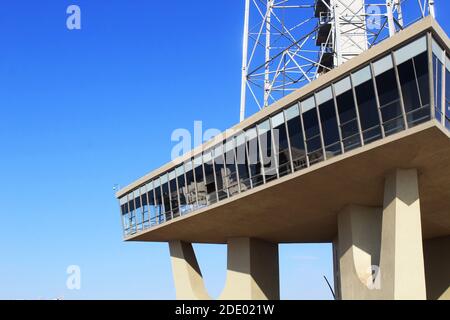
(380, 249)
(187, 277)
(401, 263)
(437, 268)
(253, 271)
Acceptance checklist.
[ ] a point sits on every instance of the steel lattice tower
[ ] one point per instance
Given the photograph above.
(289, 43)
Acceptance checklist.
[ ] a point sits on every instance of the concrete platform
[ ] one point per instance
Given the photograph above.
(303, 206)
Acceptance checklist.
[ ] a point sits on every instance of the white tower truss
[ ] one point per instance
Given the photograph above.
(289, 43)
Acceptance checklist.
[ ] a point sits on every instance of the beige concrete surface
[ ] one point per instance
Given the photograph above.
(401, 260)
(187, 276)
(252, 270)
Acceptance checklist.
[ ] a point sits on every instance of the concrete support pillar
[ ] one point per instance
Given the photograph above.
(437, 268)
(187, 277)
(380, 249)
(402, 264)
(359, 252)
(252, 271)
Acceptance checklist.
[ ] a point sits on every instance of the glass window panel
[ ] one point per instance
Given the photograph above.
(230, 177)
(383, 65)
(342, 86)
(145, 209)
(330, 129)
(438, 51)
(361, 76)
(181, 181)
(413, 76)
(191, 198)
(268, 159)
(159, 203)
(125, 215)
(411, 50)
(242, 163)
(367, 106)
(220, 172)
(296, 138)
(312, 135)
(324, 95)
(174, 194)
(447, 95)
(421, 69)
(211, 195)
(138, 213)
(345, 101)
(389, 97)
(166, 197)
(153, 207)
(281, 145)
(200, 182)
(254, 158)
(437, 81)
(132, 214)
(308, 104)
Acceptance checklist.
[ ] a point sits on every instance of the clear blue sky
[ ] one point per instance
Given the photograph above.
(83, 110)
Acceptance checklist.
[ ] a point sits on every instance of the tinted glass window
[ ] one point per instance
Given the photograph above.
(295, 133)
(174, 194)
(281, 144)
(389, 96)
(242, 163)
(329, 123)
(191, 198)
(312, 131)
(138, 213)
(200, 182)
(166, 197)
(211, 195)
(159, 203)
(367, 105)
(219, 167)
(145, 210)
(437, 77)
(268, 158)
(230, 168)
(447, 95)
(154, 213)
(254, 158)
(413, 76)
(125, 218)
(132, 216)
(347, 114)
